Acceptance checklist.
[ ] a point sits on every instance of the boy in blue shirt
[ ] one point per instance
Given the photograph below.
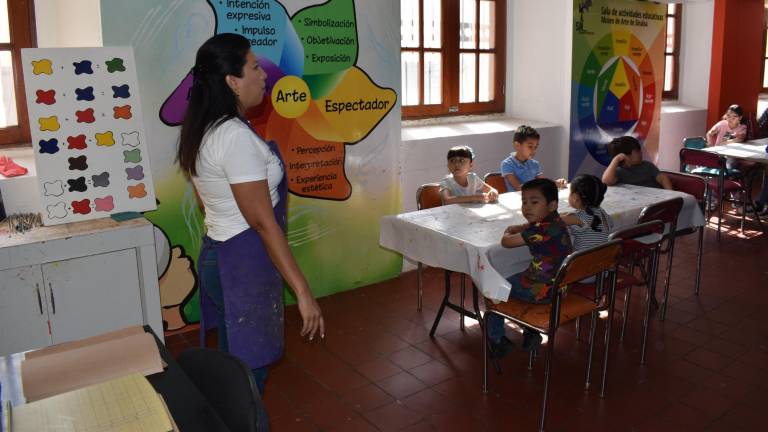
(520, 167)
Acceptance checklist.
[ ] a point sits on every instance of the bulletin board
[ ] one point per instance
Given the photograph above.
(87, 133)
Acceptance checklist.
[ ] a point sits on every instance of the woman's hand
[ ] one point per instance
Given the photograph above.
(312, 317)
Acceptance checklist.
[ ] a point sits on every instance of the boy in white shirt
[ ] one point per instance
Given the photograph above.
(462, 185)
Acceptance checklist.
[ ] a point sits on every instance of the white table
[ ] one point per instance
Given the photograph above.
(751, 150)
(466, 237)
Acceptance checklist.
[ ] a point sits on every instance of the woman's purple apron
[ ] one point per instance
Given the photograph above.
(252, 290)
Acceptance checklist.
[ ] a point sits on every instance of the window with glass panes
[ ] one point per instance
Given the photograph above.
(16, 32)
(452, 57)
(672, 51)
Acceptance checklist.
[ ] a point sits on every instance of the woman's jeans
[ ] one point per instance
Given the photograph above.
(209, 278)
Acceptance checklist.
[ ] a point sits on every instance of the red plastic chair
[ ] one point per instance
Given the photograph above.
(697, 187)
(547, 318)
(496, 181)
(720, 185)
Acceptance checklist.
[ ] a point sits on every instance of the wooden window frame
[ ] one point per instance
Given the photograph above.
(675, 54)
(450, 48)
(21, 19)
(764, 89)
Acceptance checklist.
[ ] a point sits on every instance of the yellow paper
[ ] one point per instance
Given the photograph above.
(126, 404)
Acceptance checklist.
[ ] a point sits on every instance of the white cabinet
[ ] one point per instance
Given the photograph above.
(23, 306)
(76, 280)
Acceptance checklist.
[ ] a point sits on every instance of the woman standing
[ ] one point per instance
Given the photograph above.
(240, 180)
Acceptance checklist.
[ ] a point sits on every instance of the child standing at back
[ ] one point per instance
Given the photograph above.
(590, 225)
(546, 237)
(520, 167)
(462, 185)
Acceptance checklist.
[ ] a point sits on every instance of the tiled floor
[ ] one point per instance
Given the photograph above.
(378, 369)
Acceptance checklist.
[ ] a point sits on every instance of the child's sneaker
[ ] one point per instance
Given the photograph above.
(501, 349)
(531, 340)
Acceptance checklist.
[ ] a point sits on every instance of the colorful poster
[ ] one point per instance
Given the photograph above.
(331, 107)
(87, 132)
(618, 76)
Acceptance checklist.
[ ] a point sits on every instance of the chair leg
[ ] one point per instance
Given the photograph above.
(531, 356)
(663, 311)
(481, 323)
(608, 325)
(547, 376)
(592, 331)
(484, 328)
(443, 304)
(720, 209)
(651, 289)
(419, 286)
(625, 312)
(462, 290)
(697, 286)
(578, 328)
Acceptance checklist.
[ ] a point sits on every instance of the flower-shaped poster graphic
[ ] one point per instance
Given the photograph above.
(317, 99)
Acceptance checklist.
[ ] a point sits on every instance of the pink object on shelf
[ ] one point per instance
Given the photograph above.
(9, 168)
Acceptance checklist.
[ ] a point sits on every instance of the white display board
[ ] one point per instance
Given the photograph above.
(87, 132)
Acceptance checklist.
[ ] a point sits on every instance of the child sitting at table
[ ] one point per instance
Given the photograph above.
(520, 166)
(628, 166)
(590, 225)
(730, 129)
(462, 185)
(546, 237)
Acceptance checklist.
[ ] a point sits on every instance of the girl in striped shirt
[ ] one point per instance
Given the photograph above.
(590, 225)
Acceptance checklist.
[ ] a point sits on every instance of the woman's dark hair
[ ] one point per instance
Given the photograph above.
(461, 151)
(211, 101)
(591, 190)
(623, 144)
(547, 187)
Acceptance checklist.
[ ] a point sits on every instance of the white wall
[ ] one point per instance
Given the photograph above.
(539, 51)
(68, 23)
(696, 53)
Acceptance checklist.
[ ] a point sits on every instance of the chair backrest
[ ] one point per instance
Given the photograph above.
(701, 158)
(588, 262)
(665, 211)
(496, 181)
(228, 385)
(428, 196)
(691, 184)
(698, 142)
(644, 236)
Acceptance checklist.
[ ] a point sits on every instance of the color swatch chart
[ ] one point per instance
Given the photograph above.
(87, 132)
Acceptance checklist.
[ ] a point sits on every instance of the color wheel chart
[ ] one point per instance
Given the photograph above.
(616, 93)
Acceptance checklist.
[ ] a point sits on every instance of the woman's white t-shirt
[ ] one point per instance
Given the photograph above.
(231, 153)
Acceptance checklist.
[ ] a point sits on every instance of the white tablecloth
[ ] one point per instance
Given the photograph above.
(751, 150)
(466, 237)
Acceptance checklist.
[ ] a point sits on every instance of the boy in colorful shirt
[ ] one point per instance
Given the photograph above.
(546, 236)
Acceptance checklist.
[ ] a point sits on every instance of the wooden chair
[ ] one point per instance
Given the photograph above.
(547, 318)
(697, 187)
(496, 181)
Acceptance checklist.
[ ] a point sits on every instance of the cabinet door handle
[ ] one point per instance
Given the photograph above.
(53, 299)
(39, 299)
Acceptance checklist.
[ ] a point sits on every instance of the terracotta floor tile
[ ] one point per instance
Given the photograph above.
(432, 373)
(378, 369)
(393, 417)
(367, 398)
(708, 359)
(409, 358)
(401, 385)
